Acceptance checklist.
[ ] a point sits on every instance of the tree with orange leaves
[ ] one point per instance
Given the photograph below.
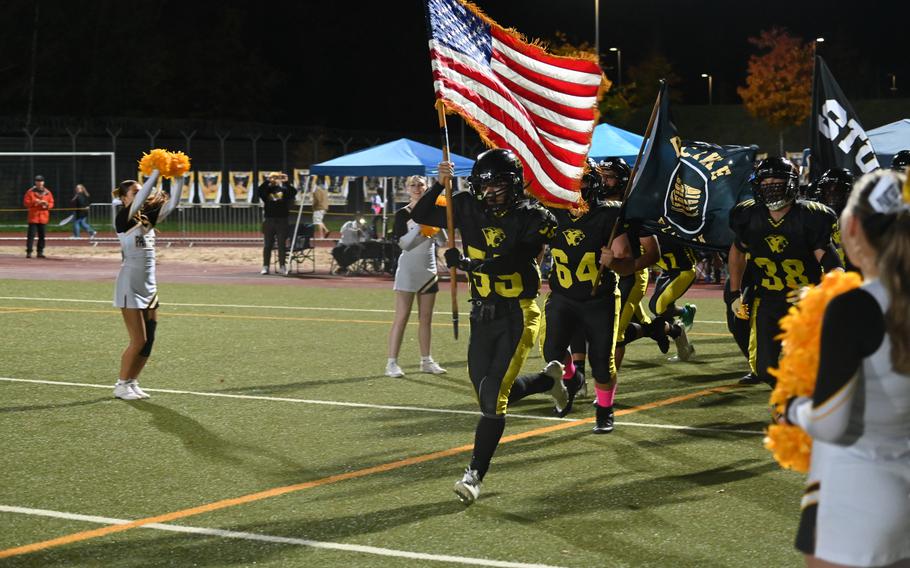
(779, 85)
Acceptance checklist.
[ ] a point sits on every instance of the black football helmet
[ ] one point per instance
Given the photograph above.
(614, 168)
(591, 183)
(901, 161)
(833, 188)
(497, 173)
(775, 196)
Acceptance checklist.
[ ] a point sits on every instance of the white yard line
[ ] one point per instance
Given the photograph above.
(371, 406)
(277, 539)
(249, 306)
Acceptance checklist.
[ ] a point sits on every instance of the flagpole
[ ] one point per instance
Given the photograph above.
(625, 195)
(450, 212)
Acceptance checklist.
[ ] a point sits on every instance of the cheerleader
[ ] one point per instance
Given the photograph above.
(856, 508)
(416, 275)
(136, 291)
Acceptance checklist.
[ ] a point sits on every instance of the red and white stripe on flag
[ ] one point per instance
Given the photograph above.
(516, 95)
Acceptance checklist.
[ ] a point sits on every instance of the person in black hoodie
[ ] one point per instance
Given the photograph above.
(276, 196)
(81, 202)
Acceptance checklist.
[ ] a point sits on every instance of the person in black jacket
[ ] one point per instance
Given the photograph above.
(81, 202)
(276, 196)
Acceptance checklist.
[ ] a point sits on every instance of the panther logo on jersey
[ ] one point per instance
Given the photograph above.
(493, 236)
(777, 243)
(573, 236)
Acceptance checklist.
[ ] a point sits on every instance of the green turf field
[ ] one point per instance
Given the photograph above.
(307, 402)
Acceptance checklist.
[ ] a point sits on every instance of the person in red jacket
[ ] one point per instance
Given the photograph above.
(39, 201)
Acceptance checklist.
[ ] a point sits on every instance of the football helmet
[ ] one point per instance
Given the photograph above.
(778, 195)
(901, 161)
(833, 188)
(497, 179)
(615, 173)
(591, 183)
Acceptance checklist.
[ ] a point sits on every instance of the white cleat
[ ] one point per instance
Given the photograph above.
(283, 270)
(468, 487)
(684, 349)
(265, 270)
(555, 370)
(393, 370)
(123, 391)
(431, 367)
(134, 384)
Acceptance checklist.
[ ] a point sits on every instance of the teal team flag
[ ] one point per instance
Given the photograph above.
(685, 190)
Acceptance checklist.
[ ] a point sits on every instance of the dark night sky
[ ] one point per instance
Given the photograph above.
(364, 64)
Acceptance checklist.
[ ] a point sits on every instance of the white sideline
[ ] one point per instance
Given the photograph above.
(276, 539)
(373, 406)
(249, 306)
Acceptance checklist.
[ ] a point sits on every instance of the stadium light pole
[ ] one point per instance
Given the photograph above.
(597, 30)
(618, 65)
(710, 87)
(893, 88)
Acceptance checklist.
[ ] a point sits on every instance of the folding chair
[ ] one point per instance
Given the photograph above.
(303, 250)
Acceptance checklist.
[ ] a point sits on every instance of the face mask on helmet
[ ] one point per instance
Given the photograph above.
(496, 179)
(833, 188)
(901, 161)
(775, 183)
(614, 174)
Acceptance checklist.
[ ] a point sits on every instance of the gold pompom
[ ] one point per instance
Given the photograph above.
(798, 366)
(158, 159)
(428, 231)
(178, 165)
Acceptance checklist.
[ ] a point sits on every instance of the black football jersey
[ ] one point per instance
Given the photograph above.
(782, 253)
(675, 256)
(575, 250)
(510, 242)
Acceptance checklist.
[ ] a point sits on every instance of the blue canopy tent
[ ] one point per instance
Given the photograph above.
(402, 157)
(890, 139)
(609, 140)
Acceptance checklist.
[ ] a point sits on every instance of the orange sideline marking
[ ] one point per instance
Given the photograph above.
(225, 503)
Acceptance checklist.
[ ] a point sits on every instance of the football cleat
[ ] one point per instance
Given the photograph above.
(468, 487)
(684, 349)
(750, 379)
(555, 371)
(688, 316)
(603, 416)
(265, 270)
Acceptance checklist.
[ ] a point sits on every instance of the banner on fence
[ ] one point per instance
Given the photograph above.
(189, 188)
(141, 177)
(209, 187)
(305, 184)
(239, 187)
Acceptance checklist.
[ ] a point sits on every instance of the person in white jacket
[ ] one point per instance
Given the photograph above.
(415, 276)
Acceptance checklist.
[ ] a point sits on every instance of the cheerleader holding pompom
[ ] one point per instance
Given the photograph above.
(136, 290)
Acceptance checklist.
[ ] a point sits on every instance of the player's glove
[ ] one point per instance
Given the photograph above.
(454, 259)
(739, 309)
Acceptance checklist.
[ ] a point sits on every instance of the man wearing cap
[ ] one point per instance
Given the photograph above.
(39, 201)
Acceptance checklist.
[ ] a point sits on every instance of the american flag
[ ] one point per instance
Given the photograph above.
(516, 95)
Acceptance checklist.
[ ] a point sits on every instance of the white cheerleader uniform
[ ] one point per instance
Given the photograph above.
(859, 477)
(136, 286)
(416, 270)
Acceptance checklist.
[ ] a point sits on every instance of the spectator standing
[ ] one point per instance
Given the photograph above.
(81, 202)
(39, 201)
(276, 196)
(320, 206)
